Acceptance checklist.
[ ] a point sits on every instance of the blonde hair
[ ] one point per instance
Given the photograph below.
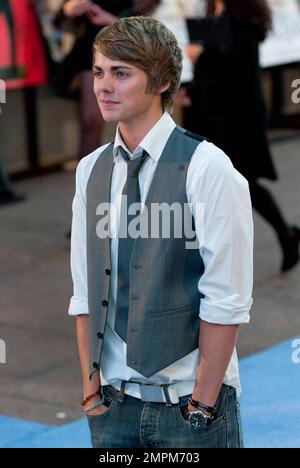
(149, 45)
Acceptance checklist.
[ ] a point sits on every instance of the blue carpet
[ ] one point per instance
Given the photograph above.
(15, 433)
(271, 403)
(270, 409)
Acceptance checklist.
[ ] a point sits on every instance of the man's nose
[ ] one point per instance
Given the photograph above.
(106, 85)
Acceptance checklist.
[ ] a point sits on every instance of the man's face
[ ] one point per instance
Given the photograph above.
(120, 89)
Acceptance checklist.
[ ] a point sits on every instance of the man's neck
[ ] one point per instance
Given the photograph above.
(133, 133)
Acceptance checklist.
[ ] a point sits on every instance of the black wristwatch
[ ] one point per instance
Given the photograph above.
(199, 420)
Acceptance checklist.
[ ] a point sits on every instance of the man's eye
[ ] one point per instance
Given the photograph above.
(122, 74)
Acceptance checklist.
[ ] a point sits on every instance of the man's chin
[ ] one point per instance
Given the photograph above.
(109, 118)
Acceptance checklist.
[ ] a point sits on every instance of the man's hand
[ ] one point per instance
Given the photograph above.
(145, 6)
(182, 98)
(74, 8)
(100, 17)
(193, 52)
(98, 411)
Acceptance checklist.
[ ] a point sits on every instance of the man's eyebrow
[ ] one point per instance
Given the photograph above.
(114, 68)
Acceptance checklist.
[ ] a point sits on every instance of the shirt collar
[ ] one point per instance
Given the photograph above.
(154, 142)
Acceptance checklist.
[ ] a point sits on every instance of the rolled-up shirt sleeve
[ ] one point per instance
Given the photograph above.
(225, 234)
(79, 300)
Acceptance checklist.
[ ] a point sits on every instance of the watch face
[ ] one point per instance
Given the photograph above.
(198, 420)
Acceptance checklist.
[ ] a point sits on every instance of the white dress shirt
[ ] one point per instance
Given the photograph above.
(226, 249)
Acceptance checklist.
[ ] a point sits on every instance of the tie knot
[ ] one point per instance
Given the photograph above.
(134, 165)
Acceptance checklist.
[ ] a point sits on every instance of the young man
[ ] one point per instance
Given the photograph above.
(157, 320)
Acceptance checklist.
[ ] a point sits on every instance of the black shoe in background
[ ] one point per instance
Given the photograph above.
(291, 251)
(10, 196)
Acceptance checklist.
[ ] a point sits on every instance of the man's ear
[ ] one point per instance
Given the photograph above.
(164, 88)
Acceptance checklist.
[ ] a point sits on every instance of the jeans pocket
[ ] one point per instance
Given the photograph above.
(109, 402)
(183, 413)
(213, 436)
(183, 410)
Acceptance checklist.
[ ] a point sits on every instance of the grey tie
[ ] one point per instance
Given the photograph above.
(132, 191)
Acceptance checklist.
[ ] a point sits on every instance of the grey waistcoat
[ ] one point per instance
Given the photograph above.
(163, 322)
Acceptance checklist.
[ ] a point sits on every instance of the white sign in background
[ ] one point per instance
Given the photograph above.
(283, 44)
(280, 48)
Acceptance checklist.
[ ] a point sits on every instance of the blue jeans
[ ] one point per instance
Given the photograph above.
(132, 423)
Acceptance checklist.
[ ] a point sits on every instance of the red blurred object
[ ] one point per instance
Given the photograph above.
(22, 54)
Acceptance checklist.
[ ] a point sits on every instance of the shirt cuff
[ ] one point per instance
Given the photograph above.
(78, 306)
(225, 314)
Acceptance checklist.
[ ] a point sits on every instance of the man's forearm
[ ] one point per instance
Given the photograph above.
(82, 330)
(216, 345)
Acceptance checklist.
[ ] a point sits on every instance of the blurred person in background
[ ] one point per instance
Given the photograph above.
(92, 16)
(7, 192)
(22, 66)
(227, 106)
(173, 14)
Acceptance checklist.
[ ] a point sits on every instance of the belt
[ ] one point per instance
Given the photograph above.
(148, 392)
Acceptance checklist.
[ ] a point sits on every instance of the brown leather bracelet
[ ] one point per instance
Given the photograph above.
(196, 404)
(89, 397)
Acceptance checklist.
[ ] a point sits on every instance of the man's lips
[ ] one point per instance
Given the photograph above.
(107, 102)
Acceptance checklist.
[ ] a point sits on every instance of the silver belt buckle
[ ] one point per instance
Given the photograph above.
(152, 393)
(155, 394)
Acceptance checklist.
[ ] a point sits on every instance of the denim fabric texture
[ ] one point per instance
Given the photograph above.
(132, 423)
